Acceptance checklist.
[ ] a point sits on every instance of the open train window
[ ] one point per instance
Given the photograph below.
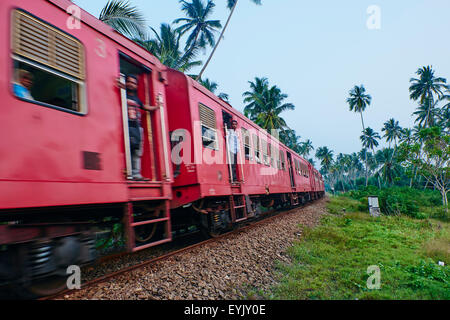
(247, 147)
(283, 160)
(48, 65)
(257, 146)
(209, 127)
(265, 155)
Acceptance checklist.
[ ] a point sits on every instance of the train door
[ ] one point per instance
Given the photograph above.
(233, 150)
(290, 169)
(139, 137)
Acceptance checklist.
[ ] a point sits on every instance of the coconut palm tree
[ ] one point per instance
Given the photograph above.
(427, 85)
(166, 47)
(231, 4)
(212, 86)
(265, 104)
(272, 106)
(392, 131)
(196, 21)
(254, 97)
(124, 18)
(369, 140)
(389, 167)
(290, 138)
(427, 113)
(358, 101)
(325, 155)
(306, 148)
(424, 89)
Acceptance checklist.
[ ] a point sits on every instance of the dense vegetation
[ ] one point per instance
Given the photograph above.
(331, 261)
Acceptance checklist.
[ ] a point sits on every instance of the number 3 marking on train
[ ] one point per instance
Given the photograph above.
(101, 48)
(74, 21)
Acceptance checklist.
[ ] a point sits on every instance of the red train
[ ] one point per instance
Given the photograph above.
(66, 158)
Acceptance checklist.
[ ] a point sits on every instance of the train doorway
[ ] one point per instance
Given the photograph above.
(291, 170)
(139, 141)
(232, 147)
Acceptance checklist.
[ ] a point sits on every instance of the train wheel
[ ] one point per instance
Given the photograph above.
(41, 288)
(145, 233)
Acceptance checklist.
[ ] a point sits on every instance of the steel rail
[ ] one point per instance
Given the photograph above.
(269, 216)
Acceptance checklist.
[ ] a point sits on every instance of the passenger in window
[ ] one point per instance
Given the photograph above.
(233, 145)
(23, 85)
(135, 127)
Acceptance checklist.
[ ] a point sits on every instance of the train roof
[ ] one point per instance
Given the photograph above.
(234, 111)
(109, 32)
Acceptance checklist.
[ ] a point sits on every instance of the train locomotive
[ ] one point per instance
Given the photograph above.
(66, 165)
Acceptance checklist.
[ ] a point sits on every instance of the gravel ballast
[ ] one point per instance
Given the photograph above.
(223, 270)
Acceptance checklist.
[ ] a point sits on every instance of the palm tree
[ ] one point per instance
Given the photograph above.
(124, 18)
(389, 167)
(254, 97)
(392, 131)
(265, 105)
(370, 138)
(358, 102)
(306, 148)
(425, 87)
(290, 138)
(426, 113)
(271, 108)
(212, 86)
(369, 141)
(325, 155)
(231, 4)
(166, 47)
(197, 20)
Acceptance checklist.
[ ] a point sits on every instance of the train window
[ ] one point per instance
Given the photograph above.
(283, 161)
(48, 65)
(269, 155)
(264, 150)
(277, 158)
(257, 146)
(209, 128)
(247, 147)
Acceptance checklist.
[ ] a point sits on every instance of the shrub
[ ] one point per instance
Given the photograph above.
(398, 200)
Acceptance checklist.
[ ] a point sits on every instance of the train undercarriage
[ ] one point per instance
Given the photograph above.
(35, 255)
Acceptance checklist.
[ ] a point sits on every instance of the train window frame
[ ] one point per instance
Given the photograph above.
(246, 137)
(283, 160)
(78, 81)
(257, 148)
(82, 108)
(264, 145)
(205, 139)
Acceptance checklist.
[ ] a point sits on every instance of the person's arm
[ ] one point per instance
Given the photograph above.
(159, 104)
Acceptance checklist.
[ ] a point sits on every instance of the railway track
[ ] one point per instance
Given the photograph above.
(269, 216)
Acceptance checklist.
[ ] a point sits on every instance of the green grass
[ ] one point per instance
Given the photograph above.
(331, 260)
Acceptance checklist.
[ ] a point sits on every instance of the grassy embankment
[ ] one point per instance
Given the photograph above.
(331, 261)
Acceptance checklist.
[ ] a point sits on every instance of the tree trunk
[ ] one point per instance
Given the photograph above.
(364, 129)
(217, 44)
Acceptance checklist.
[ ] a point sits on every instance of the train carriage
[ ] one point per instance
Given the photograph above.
(66, 170)
(65, 153)
(266, 173)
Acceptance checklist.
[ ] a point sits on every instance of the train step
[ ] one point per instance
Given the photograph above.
(144, 234)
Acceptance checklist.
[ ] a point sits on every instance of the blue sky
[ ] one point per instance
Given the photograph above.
(316, 51)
